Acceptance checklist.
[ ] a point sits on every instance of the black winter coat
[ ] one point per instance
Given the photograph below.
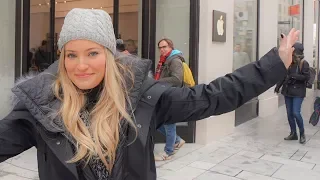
(29, 124)
(294, 83)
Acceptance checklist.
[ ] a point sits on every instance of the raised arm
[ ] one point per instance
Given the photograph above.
(227, 93)
(222, 95)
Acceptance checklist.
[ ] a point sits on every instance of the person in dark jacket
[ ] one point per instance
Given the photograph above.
(89, 120)
(42, 56)
(294, 91)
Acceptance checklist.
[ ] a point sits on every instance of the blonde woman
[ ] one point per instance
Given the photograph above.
(92, 116)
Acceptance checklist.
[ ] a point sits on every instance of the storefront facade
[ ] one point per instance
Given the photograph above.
(252, 28)
(217, 59)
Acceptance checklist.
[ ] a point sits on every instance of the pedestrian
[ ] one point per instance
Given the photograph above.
(92, 116)
(169, 70)
(294, 91)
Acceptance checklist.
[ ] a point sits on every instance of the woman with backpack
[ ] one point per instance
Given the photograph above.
(294, 90)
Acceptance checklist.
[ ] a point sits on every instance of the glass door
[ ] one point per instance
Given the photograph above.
(128, 23)
(245, 42)
(178, 20)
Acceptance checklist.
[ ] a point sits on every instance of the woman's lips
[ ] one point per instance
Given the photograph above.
(85, 75)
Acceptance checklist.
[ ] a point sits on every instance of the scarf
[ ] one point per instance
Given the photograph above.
(160, 65)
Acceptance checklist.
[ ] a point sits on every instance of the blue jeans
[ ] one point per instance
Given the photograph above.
(293, 105)
(171, 137)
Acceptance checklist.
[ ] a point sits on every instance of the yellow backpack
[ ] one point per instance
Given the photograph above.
(187, 74)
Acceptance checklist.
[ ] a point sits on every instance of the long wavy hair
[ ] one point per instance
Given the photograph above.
(102, 137)
(297, 57)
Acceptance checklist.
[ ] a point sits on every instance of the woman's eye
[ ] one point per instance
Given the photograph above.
(93, 53)
(71, 56)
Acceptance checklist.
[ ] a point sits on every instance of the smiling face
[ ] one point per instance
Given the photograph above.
(85, 63)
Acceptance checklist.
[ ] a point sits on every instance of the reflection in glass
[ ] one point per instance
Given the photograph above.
(129, 24)
(289, 16)
(39, 44)
(245, 32)
(173, 20)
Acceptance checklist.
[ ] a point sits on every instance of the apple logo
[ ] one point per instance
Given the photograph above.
(220, 26)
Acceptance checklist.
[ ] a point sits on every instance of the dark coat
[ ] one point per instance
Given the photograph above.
(29, 124)
(294, 83)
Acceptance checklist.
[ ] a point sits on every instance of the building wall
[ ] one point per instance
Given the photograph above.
(308, 30)
(7, 53)
(308, 34)
(215, 60)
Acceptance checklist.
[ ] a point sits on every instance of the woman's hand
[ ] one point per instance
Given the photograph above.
(286, 49)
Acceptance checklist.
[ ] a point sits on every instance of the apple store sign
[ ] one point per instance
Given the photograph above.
(219, 20)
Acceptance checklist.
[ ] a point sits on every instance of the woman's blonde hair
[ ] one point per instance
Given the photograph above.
(102, 137)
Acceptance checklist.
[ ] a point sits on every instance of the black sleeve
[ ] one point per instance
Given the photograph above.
(279, 85)
(16, 134)
(222, 95)
(304, 75)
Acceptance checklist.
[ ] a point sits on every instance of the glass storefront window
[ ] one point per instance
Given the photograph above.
(39, 45)
(245, 32)
(290, 16)
(128, 18)
(129, 24)
(173, 19)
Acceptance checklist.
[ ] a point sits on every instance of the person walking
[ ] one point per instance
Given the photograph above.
(169, 70)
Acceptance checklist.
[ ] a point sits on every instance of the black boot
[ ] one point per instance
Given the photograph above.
(292, 136)
(302, 138)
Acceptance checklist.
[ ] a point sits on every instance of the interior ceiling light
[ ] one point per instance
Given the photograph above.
(100, 7)
(56, 2)
(65, 1)
(39, 4)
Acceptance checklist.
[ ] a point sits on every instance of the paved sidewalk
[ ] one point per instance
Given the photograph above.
(254, 151)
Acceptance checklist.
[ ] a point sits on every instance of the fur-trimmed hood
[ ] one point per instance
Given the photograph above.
(34, 91)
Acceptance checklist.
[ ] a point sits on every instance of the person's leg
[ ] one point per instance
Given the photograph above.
(289, 106)
(170, 138)
(170, 132)
(178, 139)
(179, 142)
(297, 102)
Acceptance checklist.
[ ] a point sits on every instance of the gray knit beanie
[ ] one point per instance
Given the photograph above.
(94, 25)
